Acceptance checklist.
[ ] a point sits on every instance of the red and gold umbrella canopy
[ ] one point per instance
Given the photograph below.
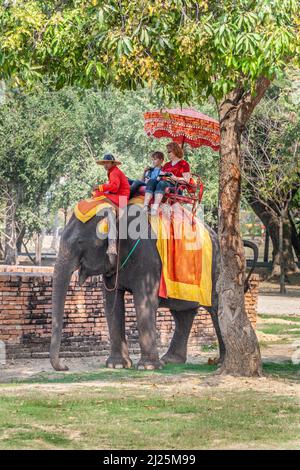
(184, 126)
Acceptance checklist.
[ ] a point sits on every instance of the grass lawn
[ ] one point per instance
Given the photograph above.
(168, 409)
(179, 407)
(287, 318)
(280, 325)
(279, 329)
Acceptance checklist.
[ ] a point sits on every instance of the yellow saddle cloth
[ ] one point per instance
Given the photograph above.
(88, 208)
(185, 250)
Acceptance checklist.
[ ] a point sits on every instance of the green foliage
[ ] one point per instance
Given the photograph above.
(286, 370)
(52, 139)
(41, 134)
(182, 50)
(177, 47)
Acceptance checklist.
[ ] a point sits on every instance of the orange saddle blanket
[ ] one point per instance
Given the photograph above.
(185, 249)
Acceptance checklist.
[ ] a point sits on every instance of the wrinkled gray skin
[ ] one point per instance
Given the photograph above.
(80, 248)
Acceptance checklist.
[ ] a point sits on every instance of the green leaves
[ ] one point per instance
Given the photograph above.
(49, 135)
(124, 46)
(247, 21)
(132, 43)
(89, 67)
(128, 45)
(144, 37)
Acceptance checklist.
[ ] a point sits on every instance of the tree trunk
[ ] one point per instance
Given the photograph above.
(10, 249)
(55, 229)
(65, 216)
(20, 237)
(295, 237)
(284, 257)
(38, 248)
(266, 247)
(242, 348)
(282, 275)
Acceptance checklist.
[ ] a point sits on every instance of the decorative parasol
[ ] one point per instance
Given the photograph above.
(184, 126)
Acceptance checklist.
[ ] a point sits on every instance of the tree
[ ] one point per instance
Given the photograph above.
(112, 122)
(181, 49)
(272, 169)
(63, 132)
(38, 135)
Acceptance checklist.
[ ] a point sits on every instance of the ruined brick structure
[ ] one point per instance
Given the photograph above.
(25, 316)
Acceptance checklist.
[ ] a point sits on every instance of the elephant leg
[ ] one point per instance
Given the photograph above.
(146, 306)
(214, 316)
(177, 352)
(115, 315)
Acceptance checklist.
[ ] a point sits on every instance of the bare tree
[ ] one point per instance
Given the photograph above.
(271, 170)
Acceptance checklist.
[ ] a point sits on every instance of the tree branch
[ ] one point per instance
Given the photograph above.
(249, 101)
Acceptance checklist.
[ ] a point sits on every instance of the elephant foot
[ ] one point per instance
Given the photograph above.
(57, 365)
(169, 358)
(118, 362)
(147, 364)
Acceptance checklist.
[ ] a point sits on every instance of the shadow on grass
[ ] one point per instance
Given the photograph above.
(25, 438)
(283, 370)
(117, 374)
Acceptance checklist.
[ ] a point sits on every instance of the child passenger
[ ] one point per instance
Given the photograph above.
(151, 174)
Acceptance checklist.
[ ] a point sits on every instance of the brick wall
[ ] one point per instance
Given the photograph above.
(25, 316)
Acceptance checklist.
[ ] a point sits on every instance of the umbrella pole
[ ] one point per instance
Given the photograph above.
(182, 144)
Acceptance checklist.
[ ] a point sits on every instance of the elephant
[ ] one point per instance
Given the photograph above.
(81, 249)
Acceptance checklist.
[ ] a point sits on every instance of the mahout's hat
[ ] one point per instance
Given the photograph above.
(108, 158)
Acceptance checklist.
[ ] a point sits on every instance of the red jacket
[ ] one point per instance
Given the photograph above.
(117, 186)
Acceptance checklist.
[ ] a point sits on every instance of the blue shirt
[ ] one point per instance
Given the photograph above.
(153, 174)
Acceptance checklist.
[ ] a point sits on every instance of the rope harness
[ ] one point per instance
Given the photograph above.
(111, 289)
(122, 265)
(115, 287)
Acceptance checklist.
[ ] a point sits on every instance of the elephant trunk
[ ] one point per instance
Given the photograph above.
(63, 270)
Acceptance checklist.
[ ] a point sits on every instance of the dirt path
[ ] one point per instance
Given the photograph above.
(275, 304)
(27, 368)
(190, 382)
